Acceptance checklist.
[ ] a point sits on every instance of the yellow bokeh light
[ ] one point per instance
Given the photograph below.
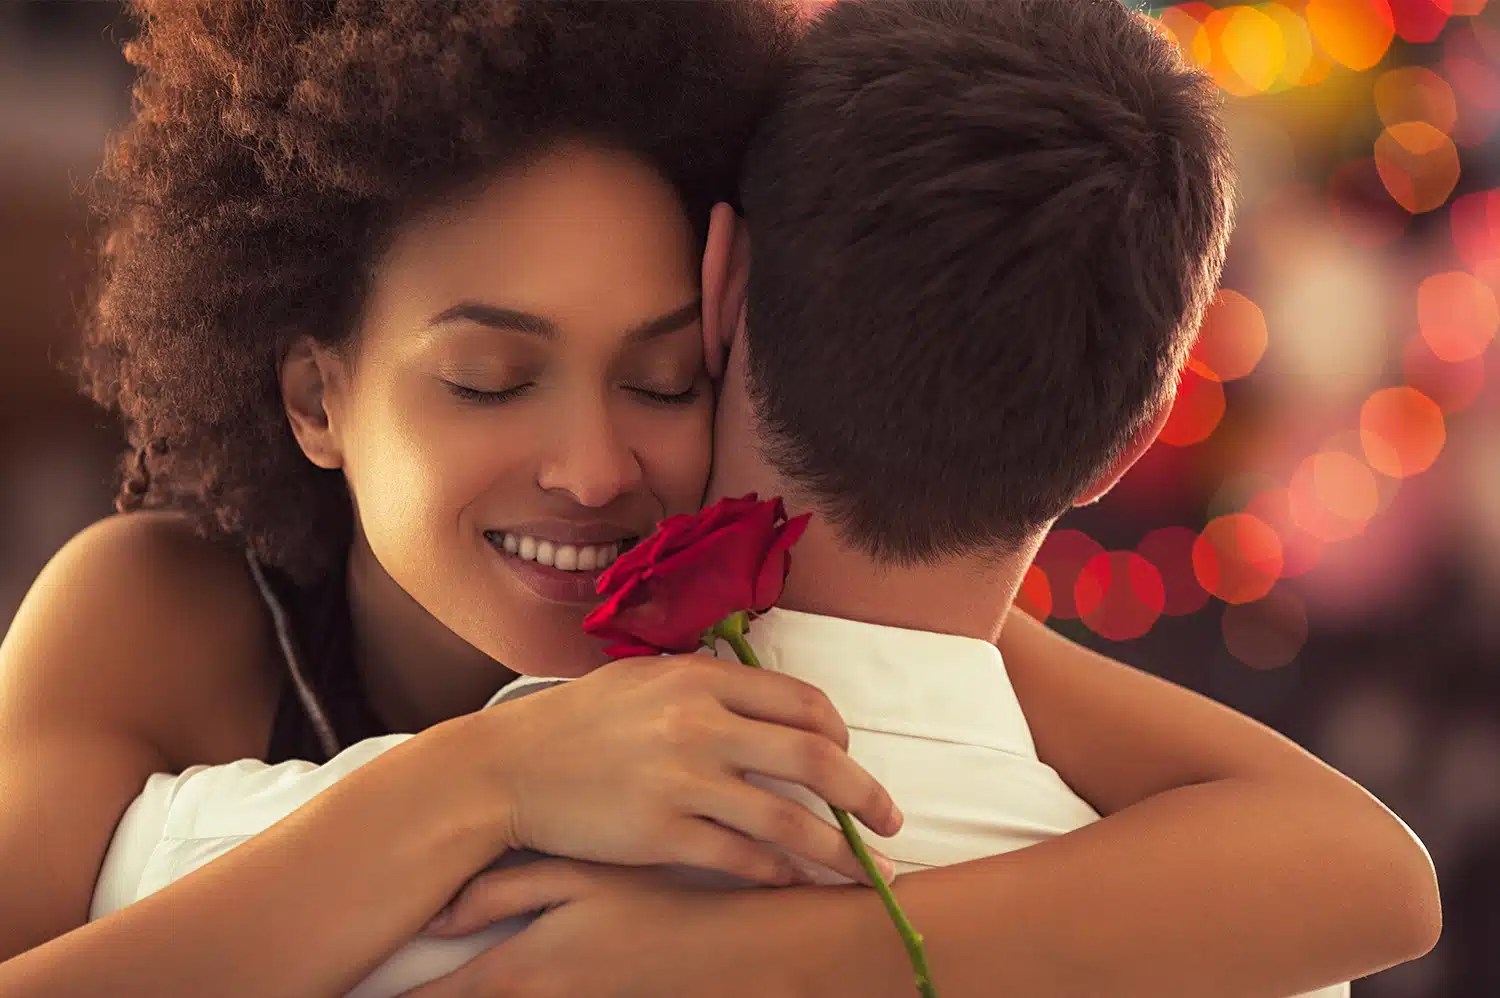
(1402, 431)
(1296, 45)
(1333, 495)
(1252, 46)
(1418, 165)
(1413, 93)
(1458, 315)
(1356, 33)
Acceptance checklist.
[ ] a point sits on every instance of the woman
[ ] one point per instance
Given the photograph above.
(401, 299)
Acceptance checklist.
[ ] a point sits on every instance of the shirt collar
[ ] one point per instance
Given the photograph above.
(891, 679)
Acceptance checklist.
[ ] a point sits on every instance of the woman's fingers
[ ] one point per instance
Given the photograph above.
(517, 890)
(788, 824)
(711, 846)
(815, 763)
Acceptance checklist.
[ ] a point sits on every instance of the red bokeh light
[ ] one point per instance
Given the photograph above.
(1170, 549)
(1195, 412)
(1062, 557)
(1119, 595)
(1035, 595)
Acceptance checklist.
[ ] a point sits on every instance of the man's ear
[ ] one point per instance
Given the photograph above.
(1139, 444)
(307, 375)
(726, 277)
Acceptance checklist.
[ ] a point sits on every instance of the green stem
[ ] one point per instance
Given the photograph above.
(732, 629)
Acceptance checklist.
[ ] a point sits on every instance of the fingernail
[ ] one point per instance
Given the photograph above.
(886, 867)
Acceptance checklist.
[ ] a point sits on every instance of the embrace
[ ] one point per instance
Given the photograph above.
(419, 314)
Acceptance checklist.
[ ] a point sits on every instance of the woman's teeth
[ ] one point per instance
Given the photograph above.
(567, 557)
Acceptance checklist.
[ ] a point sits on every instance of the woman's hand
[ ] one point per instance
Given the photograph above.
(613, 932)
(643, 761)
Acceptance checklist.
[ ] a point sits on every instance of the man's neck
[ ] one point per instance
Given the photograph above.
(968, 597)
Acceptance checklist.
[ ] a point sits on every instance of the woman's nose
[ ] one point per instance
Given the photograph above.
(591, 461)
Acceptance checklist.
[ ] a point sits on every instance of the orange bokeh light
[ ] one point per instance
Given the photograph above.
(1413, 93)
(1356, 33)
(1119, 595)
(1237, 558)
(1458, 315)
(1454, 386)
(1402, 431)
(1300, 550)
(1170, 549)
(1196, 410)
(1268, 633)
(1231, 340)
(1333, 495)
(1035, 595)
(1062, 557)
(1418, 165)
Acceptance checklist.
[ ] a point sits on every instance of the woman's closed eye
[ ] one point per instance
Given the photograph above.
(484, 396)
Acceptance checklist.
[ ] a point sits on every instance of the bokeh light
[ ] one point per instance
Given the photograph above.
(1170, 549)
(1418, 165)
(1415, 93)
(1332, 312)
(1268, 633)
(1473, 70)
(1302, 63)
(1062, 557)
(1231, 340)
(1453, 385)
(1237, 558)
(1402, 431)
(1356, 33)
(1119, 595)
(1333, 495)
(1418, 20)
(1475, 223)
(1252, 47)
(1035, 595)
(1462, 8)
(1300, 550)
(1196, 410)
(1458, 315)
(1184, 23)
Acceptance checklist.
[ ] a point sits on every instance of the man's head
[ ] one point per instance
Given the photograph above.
(983, 236)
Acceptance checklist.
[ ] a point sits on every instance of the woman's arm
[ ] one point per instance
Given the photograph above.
(108, 664)
(1230, 862)
(91, 703)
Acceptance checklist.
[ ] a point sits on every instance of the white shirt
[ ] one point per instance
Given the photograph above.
(932, 716)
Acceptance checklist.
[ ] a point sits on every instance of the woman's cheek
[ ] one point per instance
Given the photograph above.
(682, 457)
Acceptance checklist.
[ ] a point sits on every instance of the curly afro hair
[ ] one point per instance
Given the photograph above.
(275, 145)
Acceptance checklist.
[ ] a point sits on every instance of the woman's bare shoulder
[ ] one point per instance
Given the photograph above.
(137, 622)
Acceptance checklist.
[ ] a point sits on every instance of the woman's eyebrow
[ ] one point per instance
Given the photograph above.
(515, 320)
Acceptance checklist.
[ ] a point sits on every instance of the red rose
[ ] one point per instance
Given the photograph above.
(695, 570)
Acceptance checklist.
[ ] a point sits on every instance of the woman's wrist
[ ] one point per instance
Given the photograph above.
(468, 798)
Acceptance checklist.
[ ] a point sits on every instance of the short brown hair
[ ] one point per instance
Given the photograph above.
(276, 142)
(983, 237)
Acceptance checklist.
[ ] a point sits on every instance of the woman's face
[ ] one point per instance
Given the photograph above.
(525, 394)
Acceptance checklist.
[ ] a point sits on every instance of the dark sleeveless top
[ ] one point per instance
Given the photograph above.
(322, 708)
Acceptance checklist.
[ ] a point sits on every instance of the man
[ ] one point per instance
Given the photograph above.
(983, 235)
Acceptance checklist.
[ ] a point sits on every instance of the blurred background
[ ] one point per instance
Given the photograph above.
(1316, 539)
